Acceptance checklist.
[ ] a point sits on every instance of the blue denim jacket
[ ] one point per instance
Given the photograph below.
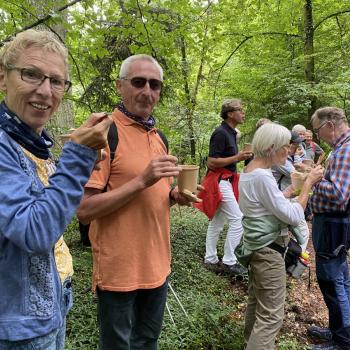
(32, 218)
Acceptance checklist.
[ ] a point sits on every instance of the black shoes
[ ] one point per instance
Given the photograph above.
(235, 270)
(326, 346)
(232, 270)
(213, 267)
(320, 333)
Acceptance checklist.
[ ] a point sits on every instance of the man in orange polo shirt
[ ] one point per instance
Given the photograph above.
(130, 221)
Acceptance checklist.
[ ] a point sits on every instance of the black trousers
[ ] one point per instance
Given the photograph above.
(131, 320)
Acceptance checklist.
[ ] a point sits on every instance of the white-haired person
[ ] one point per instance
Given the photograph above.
(130, 220)
(266, 216)
(301, 151)
(37, 201)
(300, 129)
(282, 174)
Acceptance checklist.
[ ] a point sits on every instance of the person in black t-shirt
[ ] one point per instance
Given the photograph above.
(223, 157)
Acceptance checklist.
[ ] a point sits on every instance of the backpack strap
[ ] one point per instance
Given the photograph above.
(279, 182)
(164, 139)
(278, 248)
(113, 140)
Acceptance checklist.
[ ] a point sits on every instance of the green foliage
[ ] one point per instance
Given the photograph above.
(210, 50)
(285, 343)
(207, 298)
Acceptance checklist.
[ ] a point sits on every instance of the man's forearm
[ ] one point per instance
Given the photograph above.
(214, 163)
(94, 206)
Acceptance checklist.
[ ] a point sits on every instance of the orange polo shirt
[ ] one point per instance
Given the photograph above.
(131, 246)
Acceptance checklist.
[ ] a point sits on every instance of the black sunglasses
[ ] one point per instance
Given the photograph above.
(140, 82)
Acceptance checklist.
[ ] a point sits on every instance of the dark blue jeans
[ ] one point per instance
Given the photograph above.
(331, 240)
(131, 320)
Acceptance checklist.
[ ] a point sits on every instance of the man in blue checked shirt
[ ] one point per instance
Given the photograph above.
(331, 228)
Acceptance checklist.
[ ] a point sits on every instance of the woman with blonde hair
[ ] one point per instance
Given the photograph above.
(37, 201)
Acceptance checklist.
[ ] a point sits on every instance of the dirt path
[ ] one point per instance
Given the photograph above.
(305, 305)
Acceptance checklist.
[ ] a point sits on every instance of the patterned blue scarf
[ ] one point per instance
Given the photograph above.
(24, 135)
(147, 124)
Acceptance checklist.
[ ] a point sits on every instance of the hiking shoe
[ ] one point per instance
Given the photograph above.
(213, 267)
(236, 269)
(319, 333)
(326, 346)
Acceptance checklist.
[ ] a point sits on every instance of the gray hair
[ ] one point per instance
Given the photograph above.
(269, 138)
(40, 39)
(229, 106)
(333, 114)
(125, 67)
(299, 128)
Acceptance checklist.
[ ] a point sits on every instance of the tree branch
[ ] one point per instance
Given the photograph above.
(42, 21)
(147, 34)
(330, 16)
(39, 21)
(241, 43)
(269, 33)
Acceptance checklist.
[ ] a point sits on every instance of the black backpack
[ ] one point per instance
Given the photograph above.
(112, 143)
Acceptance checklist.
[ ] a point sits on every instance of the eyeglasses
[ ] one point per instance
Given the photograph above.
(35, 77)
(317, 130)
(140, 82)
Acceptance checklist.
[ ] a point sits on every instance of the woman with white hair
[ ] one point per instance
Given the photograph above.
(300, 129)
(267, 213)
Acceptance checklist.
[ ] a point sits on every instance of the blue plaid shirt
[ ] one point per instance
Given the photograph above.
(332, 193)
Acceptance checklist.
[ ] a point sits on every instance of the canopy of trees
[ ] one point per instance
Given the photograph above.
(282, 58)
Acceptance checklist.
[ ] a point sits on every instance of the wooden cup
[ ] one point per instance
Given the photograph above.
(298, 179)
(188, 178)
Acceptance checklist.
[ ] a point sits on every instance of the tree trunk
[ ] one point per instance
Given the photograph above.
(63, 119)
(309, 62)
(189, 102)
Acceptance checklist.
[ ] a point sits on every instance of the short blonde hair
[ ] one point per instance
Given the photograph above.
(40, 39)
(269, 138)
